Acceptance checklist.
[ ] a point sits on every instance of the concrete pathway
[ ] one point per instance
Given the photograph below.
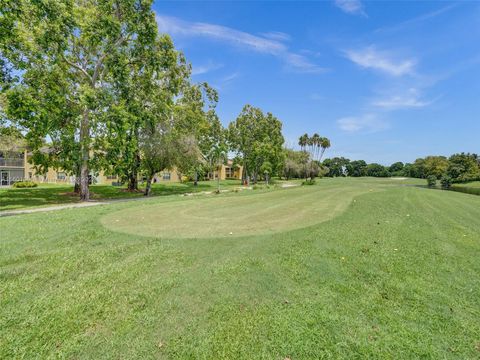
(52, 208)
(106, 202)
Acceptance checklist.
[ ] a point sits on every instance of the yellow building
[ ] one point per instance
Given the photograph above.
(14, 166)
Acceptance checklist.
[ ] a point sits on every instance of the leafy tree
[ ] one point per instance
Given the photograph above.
(66, 52)
(195, 113)
(218, 155)
(431, 181)
(266, 170)
(256, 138)
(377, 170)
(446, 181)
(294, 162)
(337, 166)
(396, 168)
(159, 146)
(463, 167)
(356, 168)
(435, 165)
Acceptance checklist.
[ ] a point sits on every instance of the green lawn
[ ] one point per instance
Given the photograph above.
(469, 188)
(381, 270)
(48, 194)
(473, 184)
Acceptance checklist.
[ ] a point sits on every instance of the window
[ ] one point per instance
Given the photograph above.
(112, 177)
(29, 175)
(61, 176)
(166, 176)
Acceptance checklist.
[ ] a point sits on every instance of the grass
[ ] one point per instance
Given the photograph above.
(49, 194)
(393, 275)
(469, 188)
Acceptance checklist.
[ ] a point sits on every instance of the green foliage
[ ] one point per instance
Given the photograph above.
(309, 182)
(446, 181)
(377, 170)
(294, 164)
(396, 168)
(463, 167)
(356, 168)
(337, 166)
(257, 138)
(431, 180)
(25, 184)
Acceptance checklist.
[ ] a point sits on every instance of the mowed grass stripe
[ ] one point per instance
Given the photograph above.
(370, 283)
(234, 214)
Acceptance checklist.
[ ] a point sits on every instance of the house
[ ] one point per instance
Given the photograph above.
(14, 166)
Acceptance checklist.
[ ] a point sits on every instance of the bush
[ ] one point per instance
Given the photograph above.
(309, 182)
(432, 181)
(25, 184)
(446, 181)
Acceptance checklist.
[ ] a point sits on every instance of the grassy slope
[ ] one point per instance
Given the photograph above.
(473, 184)
(394, 276)
(249, 213)
(47, 194)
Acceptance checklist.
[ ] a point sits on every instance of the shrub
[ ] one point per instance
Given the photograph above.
(25, 184)
(309, 182)
(446, 181)
(431, 180)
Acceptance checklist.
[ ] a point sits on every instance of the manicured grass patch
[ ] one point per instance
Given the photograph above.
(48, 194)
(251, 213)
(395, 275)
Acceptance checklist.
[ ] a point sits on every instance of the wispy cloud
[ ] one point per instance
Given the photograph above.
(206, 68)
(354, 7)
(277, 35)
(418, 19)
(230, 77)
(270, 43)
(411, 99)
(364, 123)
(384, 61)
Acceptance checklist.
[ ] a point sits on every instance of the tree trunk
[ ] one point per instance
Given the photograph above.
(148, 189)
(85, 155)
(133, 182)
(195, 178)
(218, 184)
(76, 186)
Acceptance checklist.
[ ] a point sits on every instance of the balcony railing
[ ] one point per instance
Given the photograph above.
(11, 162)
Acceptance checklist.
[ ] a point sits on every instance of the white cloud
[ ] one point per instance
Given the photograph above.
(410, 99)
(354, 7)
(277, 35)
(203, 69)
(270, 43)
(364, 123)
(230, 77)
(371, 58)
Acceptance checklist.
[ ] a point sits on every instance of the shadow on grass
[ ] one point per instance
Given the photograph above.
(45, 195)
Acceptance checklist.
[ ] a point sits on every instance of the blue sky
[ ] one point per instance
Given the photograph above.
(385, 81)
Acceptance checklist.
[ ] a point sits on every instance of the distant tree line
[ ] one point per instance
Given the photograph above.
(462, 167)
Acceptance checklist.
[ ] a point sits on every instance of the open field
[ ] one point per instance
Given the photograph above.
(353, 268)
(49, 194)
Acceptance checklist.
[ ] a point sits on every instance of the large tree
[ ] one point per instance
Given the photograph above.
(256, 138)
(66, 50)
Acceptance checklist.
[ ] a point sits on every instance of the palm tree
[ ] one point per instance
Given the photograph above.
(303, 142)
(218, 156)
(315, 144)
(324, 144)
